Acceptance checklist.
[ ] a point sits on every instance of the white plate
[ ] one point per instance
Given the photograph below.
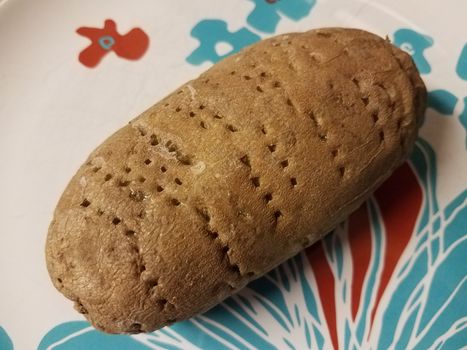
(54, 110)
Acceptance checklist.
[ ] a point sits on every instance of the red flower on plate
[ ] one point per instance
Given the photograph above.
(131, 45)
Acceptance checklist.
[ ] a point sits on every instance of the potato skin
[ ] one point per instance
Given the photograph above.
(230, 175)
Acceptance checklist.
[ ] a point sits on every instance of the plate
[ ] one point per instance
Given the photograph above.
(392, 276)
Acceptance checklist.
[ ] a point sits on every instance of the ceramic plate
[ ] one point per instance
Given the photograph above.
(392, 276)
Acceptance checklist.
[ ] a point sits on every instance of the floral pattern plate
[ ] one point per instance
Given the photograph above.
(393, 276)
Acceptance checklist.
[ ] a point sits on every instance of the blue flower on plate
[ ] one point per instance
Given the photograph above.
(415, 44)
(265, 16)
(211, 33)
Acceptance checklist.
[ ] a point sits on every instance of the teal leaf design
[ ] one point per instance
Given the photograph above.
(463, 119)
(443, 306)
(5, 341)
(461, 67)
(80, 335)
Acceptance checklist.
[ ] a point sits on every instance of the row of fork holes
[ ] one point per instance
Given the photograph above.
(324, 138)
(268, 197)
(284, 164)
(374, 115)
(141, 179)
(204, 125)
(257, 182)
(213, 235)
(136, 195)
(259, 88)
(231, 128)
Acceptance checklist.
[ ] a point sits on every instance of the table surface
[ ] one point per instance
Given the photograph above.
(392, 276)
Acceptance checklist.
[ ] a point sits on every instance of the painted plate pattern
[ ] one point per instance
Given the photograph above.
(392, 276)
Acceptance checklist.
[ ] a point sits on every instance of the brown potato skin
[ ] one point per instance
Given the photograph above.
(231, 174)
